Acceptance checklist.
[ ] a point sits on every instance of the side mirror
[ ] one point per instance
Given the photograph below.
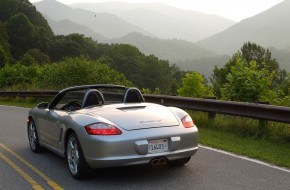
(42, 105)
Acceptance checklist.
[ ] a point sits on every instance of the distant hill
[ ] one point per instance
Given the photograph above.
(163, 21)
(187, 55)
(165, 31)
(65, 27)
(172, 50)
(105, 24)
(282, 56)
(270, 28)
(156, 29)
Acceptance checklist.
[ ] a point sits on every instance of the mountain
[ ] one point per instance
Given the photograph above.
(268, 29)
(65, 27)
(105, 24)
(164, 21)
(154, 28)
(171, 49)
(165, 31)
(186, 55)
(282, 56)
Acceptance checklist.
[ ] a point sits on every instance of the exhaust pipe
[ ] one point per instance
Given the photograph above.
(158, 161)
(162, 161)
(154, 161)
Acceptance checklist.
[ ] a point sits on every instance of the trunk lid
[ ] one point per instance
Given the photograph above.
(139, 116)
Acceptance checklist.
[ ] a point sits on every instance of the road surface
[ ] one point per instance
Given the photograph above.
(208, 169)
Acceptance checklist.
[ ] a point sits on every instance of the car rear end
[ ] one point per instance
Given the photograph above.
(138, 134)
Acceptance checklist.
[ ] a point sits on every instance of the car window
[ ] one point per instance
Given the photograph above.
(70, 97)
(112, 95)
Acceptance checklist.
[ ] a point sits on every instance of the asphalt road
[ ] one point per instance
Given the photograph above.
(208, 169)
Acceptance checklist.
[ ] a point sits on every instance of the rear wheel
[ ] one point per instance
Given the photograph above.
(179, 162)
(75, 158)
(33, 137)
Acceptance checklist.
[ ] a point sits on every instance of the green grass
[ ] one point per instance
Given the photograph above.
(261, 149)
(265, 141)
(18, 104)
(21, 102)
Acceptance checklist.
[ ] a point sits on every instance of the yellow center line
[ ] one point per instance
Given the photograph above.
(50, 182)
(33, 183)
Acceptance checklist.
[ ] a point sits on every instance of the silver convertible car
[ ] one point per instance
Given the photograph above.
(98, 126)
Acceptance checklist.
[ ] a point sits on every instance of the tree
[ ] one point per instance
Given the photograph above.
(4, 46)
(176, 79)
(156, 74)
(8, 8)
(249, 52)
(21, 32)
(126, 59)
(144, 71)
(26, 27)
(78, 71)
(3, 57)
(39, 56)
(73, 45)
(27, 60)
(193, 85)
(18, 76)
(247, 82)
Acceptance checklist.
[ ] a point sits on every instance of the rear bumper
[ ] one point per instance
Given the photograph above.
(138, 159)
(131, 148)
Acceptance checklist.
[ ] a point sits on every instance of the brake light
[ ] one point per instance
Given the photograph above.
(102, 129)
(187, 122)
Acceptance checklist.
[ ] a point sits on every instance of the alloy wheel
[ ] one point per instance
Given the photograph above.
(32, 135)
(73, 155)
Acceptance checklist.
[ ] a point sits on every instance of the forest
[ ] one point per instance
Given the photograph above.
(32, 57)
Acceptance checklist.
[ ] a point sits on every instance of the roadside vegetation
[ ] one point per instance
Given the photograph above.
(260, 149)
(22, 102)
(33, 58)
(266, 141)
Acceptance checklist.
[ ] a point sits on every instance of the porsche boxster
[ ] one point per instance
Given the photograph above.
(98, 126)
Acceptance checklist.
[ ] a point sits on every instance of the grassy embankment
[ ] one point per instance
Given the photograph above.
(266, 141)
(22, 102)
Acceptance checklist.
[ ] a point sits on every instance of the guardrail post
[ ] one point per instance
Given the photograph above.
(211, 115)
(262, 130)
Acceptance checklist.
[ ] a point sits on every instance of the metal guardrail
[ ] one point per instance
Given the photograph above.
(244, 109)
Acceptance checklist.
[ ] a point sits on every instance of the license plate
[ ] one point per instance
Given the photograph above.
(157, 146)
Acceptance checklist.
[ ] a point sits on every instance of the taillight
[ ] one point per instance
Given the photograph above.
(102, 129)
(187, 122)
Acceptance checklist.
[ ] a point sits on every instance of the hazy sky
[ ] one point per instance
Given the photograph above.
(233, 9)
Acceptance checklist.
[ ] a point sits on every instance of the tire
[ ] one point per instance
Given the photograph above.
(33, 137)
(179, 162)
(77, 164)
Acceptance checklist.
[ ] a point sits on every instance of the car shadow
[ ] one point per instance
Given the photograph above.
(128, 177)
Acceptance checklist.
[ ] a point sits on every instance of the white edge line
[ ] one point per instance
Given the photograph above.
(246, 158)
